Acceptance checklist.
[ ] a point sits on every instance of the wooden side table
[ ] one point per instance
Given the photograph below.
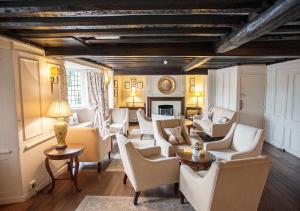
(196, 162)
(71, 152)
(190, 108)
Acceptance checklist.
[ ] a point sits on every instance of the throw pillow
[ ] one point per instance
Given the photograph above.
(223, 120)
(175, 136)
(73, 120)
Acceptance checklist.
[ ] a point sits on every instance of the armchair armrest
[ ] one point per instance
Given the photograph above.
(150, 151)
(220, 129)
(167, 149)
(195, 117)
(217, 145)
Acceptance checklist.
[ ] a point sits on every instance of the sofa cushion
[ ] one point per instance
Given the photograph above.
(205, 125)
(175, 136)
(73, 120)
(243, 137)
(115, 127)
(118, 115)
(223, 120)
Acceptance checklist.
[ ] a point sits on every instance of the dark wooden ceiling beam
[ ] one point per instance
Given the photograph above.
(286, 30)
(280, 13)
(159, 71)
(158, 31)
(57, 8)
(126, 21)
(257, 49)
(197, 62)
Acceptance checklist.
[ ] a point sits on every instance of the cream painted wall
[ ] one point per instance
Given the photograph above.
(29, 78)
(200, 85)
(124, 98)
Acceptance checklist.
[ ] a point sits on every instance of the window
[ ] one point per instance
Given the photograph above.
(74, 87)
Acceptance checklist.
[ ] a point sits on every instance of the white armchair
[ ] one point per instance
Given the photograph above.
(145, 123)
(161, 136)
(141, 166)
(118, 121)
(96, 148)
(242, 141)
(227, 185)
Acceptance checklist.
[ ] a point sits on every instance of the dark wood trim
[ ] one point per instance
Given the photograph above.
(159, 71)
(276, 16)
(136, 197)
(196, 63)
(150, 99)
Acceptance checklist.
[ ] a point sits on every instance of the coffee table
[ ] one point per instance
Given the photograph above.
(196, 162)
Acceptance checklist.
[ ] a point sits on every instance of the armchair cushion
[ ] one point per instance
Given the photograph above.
(243, 137)
(223, 154)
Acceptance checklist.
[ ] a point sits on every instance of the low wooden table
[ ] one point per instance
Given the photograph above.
(71, 152)
(196, 162)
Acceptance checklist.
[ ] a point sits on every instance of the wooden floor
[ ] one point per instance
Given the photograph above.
(282, 191)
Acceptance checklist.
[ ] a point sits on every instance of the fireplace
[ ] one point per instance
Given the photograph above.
(165, 110)
(153, 104)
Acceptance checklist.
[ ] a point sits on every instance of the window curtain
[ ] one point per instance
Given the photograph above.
(63, 83)
(98, 97)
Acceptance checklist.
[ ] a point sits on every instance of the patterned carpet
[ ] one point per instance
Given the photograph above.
(99, 203)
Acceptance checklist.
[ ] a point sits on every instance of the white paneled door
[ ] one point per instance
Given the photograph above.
(283, 106)
(252, 97)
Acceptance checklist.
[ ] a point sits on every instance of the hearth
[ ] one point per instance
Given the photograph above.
(166, 110)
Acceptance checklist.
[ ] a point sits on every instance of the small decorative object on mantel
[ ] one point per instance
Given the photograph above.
(166, 85)
(196, 147)
(140, 85)
(60, 109)
(133, 81)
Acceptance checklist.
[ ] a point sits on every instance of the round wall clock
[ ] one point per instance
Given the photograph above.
(166, 85)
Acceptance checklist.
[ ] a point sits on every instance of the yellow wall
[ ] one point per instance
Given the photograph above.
(124, 97)
(200, 83)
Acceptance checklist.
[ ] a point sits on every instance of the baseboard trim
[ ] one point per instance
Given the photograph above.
(29, 194)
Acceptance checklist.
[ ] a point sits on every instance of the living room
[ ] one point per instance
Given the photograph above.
(143, 105)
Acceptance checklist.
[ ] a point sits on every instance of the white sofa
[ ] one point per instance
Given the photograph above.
(118, 121)
(226, 186)
(242, 141)
(146, 168)
(215, 127)
(86, 117)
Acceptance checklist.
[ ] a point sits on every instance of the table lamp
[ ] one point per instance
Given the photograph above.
(199, 94)
(60, 109)
(133, 94)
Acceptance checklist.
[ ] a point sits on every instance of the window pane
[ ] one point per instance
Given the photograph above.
(74, 87)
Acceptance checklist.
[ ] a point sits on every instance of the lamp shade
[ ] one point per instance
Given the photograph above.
(199, 94)
(58, 109)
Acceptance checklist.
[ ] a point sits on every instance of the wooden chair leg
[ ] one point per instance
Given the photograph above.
(141, 136)
(176, 186)
(99, 167)
(125, 179)
(181, 198)
(108, 155)
(136, 197)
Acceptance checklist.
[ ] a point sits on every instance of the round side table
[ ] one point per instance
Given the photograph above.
(72, 153)
(196, 162)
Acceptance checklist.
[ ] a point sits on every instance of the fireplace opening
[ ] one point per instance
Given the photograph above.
(165, 110)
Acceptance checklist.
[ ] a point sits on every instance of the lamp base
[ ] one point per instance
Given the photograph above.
(60, 129)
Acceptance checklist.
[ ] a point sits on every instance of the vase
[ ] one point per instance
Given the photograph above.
(195, 152)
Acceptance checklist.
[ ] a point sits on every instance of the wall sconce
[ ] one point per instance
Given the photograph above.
(54, 76)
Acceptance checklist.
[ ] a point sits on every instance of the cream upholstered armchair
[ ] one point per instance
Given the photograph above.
(96, 148)
(145, 123)
(227, 185)
(118, 120)
(242, 141)
(141, 166)
(161, 136)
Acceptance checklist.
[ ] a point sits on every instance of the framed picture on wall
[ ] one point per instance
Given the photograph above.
(127, 85)
(140, 85)
(115, 84)
(192, 81)
(133, 81)
(115, 93)
(192, 89)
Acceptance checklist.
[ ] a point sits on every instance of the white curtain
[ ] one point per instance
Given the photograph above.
(98, 97)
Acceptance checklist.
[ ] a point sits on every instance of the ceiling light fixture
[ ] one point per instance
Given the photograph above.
(165, 61)
(112, 37)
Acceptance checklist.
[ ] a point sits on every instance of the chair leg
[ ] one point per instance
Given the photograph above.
(176, 186)
(99, 167)
(125, 179)
(108, 155)
(136, 197)
(141, 136)
(181, 198)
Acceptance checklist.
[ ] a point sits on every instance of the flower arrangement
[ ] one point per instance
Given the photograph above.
(197, 145)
